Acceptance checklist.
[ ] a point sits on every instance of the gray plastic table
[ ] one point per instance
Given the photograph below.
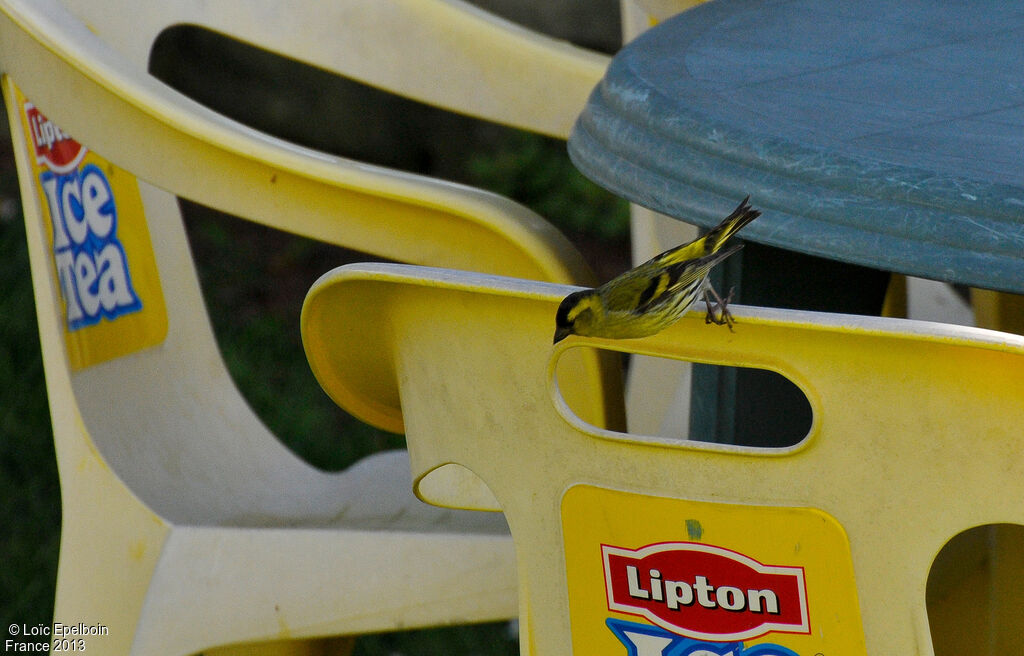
(883, 133)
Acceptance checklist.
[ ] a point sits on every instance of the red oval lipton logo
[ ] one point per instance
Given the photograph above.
(55, 149)
(705, 592)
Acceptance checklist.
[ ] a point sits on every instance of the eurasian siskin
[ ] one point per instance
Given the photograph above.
(652, 296)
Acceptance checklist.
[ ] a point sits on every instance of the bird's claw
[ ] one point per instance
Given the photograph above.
(718, 313)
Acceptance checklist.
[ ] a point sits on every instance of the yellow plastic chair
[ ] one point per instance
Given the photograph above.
(632, 544)
(186, 525)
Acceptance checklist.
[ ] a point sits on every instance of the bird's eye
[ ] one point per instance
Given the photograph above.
(583, 318)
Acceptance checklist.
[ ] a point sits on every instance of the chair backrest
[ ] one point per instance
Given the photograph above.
(489, 68)
(657, 546)
(447, 53)
(126, 338)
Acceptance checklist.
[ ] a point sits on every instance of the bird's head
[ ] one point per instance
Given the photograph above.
(577, 313)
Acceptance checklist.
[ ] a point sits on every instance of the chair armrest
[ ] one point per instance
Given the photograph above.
(176, 144)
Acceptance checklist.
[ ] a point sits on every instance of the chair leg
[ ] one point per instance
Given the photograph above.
(110, 545)
(895, 303)
(1007, 592)
(998, 311)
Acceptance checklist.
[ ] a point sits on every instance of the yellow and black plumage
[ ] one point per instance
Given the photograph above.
(652, 296)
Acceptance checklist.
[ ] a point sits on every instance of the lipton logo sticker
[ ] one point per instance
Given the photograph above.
(705, 592)
(91, 263)
(54, 148)
(92, 221)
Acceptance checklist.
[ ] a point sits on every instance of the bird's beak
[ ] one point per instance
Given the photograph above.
(561, 333)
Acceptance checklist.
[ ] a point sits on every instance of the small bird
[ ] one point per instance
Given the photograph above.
(649, 298)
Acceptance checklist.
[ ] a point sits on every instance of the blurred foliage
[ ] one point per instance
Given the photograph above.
(536, 171)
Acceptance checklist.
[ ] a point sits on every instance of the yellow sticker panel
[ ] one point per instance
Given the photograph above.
(655, 576)
(102, 256)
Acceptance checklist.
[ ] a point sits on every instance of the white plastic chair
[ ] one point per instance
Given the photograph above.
(186, 525)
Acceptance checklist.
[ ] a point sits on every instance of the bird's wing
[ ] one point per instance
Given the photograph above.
(680, 278)
(623, 293)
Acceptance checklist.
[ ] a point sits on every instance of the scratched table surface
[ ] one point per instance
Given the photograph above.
(884, 133)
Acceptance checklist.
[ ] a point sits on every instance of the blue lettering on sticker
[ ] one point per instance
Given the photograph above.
(647, 640)
(91, 264)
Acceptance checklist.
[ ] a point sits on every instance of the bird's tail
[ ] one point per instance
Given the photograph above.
(730, 225)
